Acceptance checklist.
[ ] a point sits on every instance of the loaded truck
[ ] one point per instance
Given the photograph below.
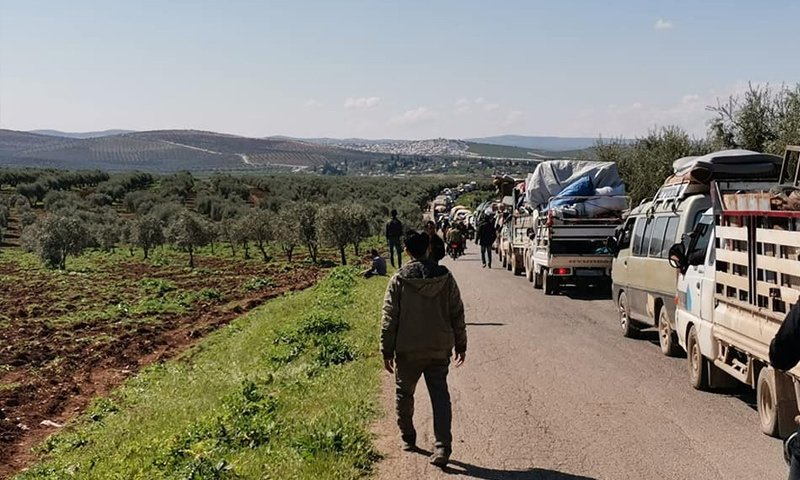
(516, 228)
(739, 274)
(564, 250)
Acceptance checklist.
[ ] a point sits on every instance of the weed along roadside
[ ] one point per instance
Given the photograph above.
(286, 391)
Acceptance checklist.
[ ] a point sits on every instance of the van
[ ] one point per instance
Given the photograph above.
(643, 282)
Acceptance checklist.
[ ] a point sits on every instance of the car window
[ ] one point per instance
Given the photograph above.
(657, 237)
(638, 232)
(670, 236)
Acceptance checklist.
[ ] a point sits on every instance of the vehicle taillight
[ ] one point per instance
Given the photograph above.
(561, 271)
(455, 245)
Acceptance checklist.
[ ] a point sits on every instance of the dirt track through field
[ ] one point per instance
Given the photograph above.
(551, 390)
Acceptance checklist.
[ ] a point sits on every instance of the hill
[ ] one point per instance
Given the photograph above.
(539, 143)
(502, 151)
(104, 133)
(166, 151)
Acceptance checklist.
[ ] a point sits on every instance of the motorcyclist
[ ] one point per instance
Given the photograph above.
(455, 237)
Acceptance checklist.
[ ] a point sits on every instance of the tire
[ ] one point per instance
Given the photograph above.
(528, 269)
(776, 409)
(515, 264)
(666, 337)
(538, 280)
(628, 329)
(697, 363)
(509, 265)
(550, 284)
(503, 258)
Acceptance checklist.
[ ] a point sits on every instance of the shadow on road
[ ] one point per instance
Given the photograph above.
(486, 324)
(456, 467)
(587, 294)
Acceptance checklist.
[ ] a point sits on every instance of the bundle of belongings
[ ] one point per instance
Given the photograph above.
(576, 189)
(728, 165)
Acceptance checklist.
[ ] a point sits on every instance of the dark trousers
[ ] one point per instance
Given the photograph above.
(486, 255)
(407, 375)
(793, 451)
(395, 244)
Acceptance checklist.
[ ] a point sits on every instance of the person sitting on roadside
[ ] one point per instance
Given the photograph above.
(378, 265)
(436, 249)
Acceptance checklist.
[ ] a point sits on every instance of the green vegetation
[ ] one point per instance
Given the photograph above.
(287, 391)
(763, 120)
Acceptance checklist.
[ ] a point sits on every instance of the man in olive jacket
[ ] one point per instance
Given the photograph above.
(423, 321)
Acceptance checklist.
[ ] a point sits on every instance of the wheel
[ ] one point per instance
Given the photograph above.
(666, 337)
(777, 406)
(550, 284)
(628, 329)
(515, 264)
(503, 259)
(509, 265)
(698, 364)
(537, 280)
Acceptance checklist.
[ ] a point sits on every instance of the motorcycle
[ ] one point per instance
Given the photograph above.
(455, 250)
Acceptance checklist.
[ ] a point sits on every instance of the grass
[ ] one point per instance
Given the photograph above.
(286, 391)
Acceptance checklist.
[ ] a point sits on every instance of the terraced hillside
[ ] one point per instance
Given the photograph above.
(166, 151)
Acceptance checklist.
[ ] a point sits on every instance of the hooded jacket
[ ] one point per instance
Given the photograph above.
(423, 315)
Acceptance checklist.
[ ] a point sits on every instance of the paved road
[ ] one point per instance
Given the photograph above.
(551, 390)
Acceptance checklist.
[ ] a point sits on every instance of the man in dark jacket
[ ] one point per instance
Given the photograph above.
(784, 354)
(394, 231)
(423, 321)
(436, 250)
(486, 237)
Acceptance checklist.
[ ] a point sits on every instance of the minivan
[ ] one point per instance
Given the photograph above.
(643, 282)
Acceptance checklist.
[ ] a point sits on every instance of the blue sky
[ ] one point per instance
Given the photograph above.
(380, 69)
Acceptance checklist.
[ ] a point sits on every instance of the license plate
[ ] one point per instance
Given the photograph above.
(589, 272)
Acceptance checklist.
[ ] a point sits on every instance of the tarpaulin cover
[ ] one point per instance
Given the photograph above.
(550, 178)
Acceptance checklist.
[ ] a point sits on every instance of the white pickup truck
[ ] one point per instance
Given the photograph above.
(739, 276)
(568, 250)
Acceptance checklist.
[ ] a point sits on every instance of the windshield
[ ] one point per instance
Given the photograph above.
(703, 232)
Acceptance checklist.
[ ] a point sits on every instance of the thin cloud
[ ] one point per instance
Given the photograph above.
(361, 103)
(311, 103)
(464, 105)
(415, 117)
(662, 24)
(513, 118)
(489, 107)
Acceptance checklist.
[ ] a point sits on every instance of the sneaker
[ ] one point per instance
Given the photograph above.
(484, 265)
(409, 444)
(440, 457)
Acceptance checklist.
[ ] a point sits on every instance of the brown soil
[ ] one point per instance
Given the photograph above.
(60, 348)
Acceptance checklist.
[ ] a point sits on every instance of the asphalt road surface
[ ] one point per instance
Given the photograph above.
(551, 390)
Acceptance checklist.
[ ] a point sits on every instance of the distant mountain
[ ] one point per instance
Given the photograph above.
(58, 133)
(168, 151)
(552, 144)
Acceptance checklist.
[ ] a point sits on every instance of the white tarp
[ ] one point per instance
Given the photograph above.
(550, 178)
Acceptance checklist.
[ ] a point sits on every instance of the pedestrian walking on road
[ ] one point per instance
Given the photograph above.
(436, 251)
(485, 238)
(394, 232)
(784, 354)
(423, 321)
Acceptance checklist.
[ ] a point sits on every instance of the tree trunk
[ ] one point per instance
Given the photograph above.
(191, 257)
(356, 248)
(344, 255)
(263, 251)
(246, 248)
(146, 251)
(289, 252)
(233, 249)
(212, 248)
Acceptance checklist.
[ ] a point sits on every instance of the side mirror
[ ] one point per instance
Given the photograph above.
(612, 245)
(677, 257)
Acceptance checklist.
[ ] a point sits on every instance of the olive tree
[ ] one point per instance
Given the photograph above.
(261, 227)
(335, 228)
(148, 233)
(286, 230)
(187, 232)
(55, 237)
(307, 213)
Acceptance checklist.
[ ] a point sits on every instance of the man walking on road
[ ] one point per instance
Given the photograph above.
(784, 354)
(394, 231)
(423, 321)
(436, 250)
(485, 238)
